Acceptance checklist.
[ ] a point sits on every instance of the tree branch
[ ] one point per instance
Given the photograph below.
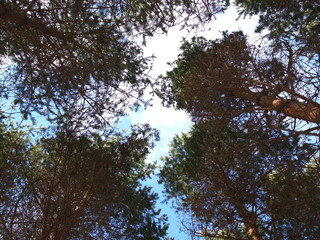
(19, 17)
(292, 108)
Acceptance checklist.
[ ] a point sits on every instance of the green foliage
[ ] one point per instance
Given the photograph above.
(297, 213)
(76, 63)
(202, 64)
(242, 172)
(228, 78)
(65, 51)
(12, 148)
(292, 19)
(78, 54)
(76, 187)
(221, 173)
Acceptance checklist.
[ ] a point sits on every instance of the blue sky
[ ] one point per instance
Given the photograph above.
(169, 121)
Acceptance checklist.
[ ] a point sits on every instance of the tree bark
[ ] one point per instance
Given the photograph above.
(292, 108)
(249, 218)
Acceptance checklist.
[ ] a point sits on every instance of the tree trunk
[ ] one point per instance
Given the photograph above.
(249, 219)
(254, 235)
(292, 108)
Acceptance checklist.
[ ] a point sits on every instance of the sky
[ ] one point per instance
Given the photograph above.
(169, 121)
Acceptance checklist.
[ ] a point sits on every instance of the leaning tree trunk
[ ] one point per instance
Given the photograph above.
(292, 108)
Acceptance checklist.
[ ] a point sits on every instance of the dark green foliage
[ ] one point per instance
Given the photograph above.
(68, 54)
(78, 54)
(242, 171)
(75, 187)
(296, 211)
(201, 65)
(296, 20)
(228, 77)
(12, 148)
(76, 63)
(221, 173)
(245, 170)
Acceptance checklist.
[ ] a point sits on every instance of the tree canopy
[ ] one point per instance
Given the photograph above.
(78, 64)
(80, 54)
(228, 77)
(73, 187)
(249, 168)
(234, 186)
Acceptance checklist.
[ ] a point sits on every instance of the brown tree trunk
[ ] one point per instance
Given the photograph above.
(249, 219)
(292, 108)
(254, 235)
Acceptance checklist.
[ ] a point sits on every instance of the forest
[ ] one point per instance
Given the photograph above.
(248, 168)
